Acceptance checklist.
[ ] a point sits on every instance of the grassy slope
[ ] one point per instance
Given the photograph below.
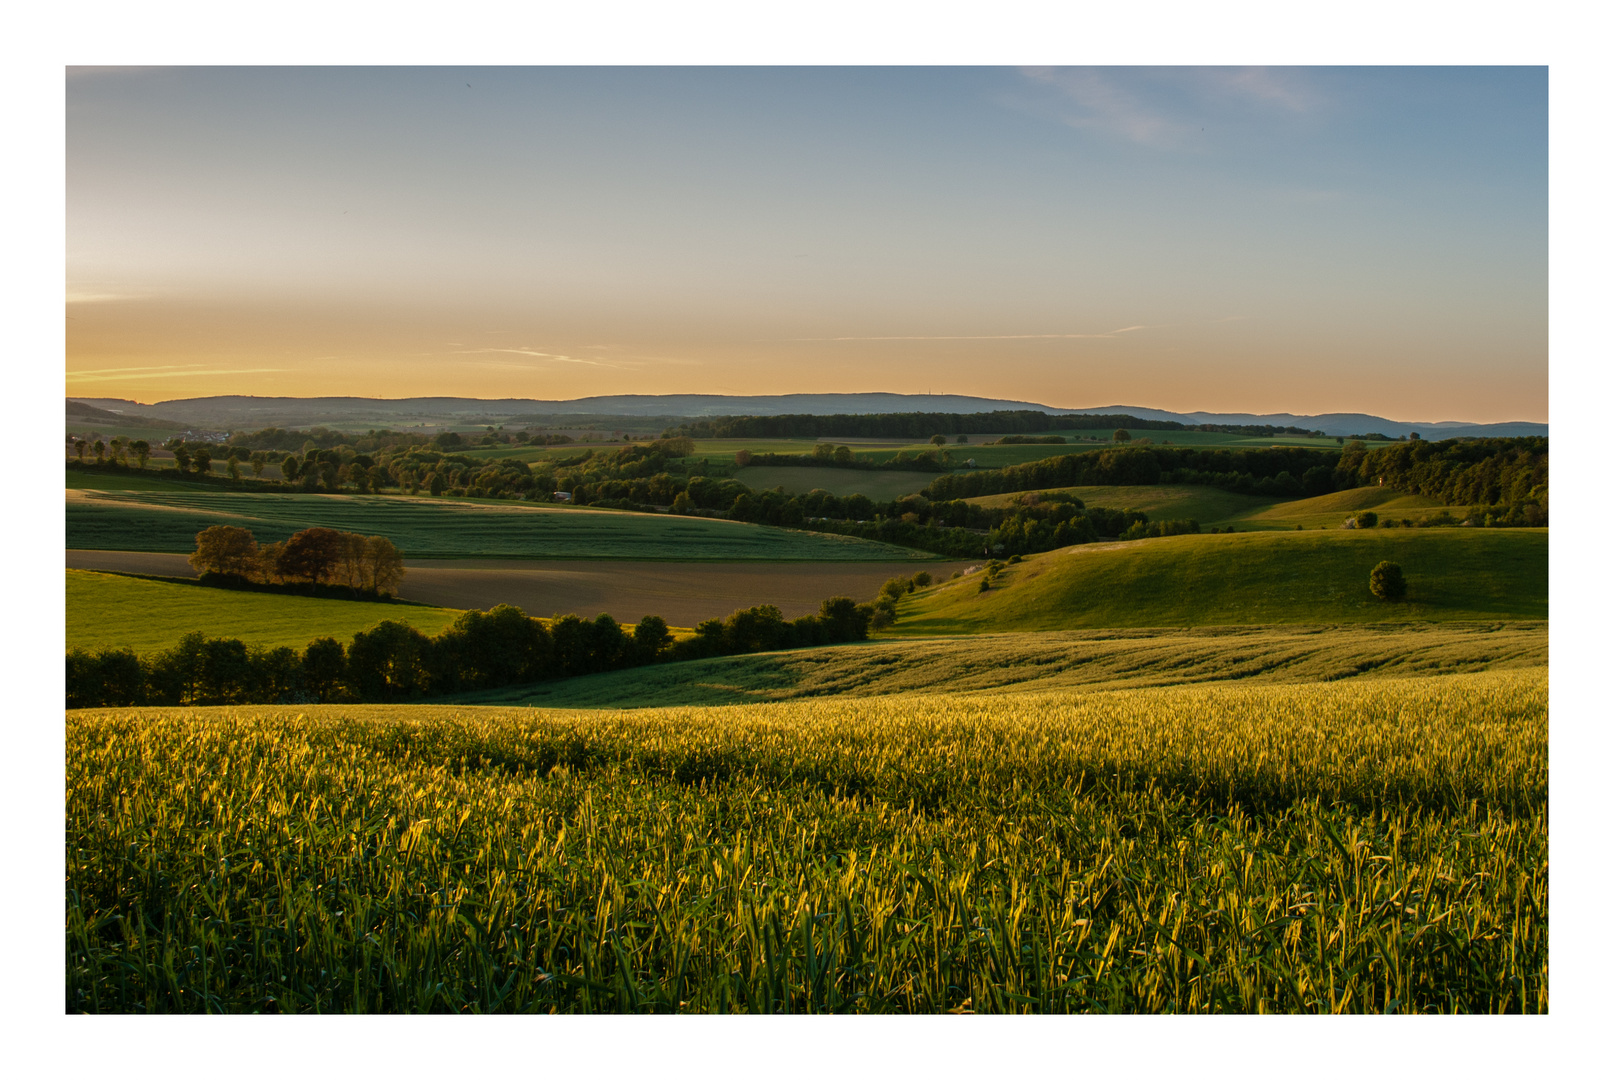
(1248, 578)
(1329, 511)
(443, 528)
(1050, 661)
(1206, 505)
(114, 611)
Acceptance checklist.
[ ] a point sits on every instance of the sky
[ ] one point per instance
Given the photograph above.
(1300, 240)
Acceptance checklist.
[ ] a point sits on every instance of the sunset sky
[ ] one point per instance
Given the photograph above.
(1296, 240)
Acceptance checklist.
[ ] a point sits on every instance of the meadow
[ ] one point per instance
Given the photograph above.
(449, 528)
(1317, 576)
(115, 611)
(1067, 660)
(1384, 851)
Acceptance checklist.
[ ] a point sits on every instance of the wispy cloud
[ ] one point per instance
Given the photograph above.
(123, 374)
(1165, 108)
(558, 358)
(977, 337)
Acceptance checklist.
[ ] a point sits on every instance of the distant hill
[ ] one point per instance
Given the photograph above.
(238, 412)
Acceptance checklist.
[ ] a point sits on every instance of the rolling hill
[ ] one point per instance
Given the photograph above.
(1315, 576)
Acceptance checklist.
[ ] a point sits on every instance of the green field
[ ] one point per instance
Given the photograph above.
(1385, 851)
(878, 484)
(1247, 578)
(1330, 511)
(450, 528)
(114, 611)
(1091, 660)
(1206, 505)
(142, 480)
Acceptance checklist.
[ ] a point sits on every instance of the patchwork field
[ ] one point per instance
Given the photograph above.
(682, 593)
(449, 528)
(113, 611)
(1385, 851)
(1090, 660)
(1247, 578)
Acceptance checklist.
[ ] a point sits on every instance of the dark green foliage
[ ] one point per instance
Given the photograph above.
(918, 425)
(393, 661)
(1387, 582)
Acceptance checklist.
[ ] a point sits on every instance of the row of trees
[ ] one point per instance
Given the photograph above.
(393, 661)
(119, 450)
(1287, 470)
(317, 556)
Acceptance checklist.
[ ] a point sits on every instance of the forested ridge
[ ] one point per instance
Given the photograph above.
(922, 425)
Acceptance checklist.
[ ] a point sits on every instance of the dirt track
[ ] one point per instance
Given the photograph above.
(681, 593)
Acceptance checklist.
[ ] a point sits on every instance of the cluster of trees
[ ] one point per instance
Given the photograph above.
(368, 565)
(923, 425)
(395, 662)
(1278, 470)
(1501, 481)
(117, 452)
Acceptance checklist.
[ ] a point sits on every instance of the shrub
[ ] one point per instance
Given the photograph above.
(1387, 582)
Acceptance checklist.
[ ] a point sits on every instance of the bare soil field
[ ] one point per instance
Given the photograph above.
(682, 593)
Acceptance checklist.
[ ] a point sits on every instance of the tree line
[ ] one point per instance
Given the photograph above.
(1277, 470)
(393, 661)
(923, 425)
(368, 565)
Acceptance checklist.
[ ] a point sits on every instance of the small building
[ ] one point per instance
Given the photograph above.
(561, 496)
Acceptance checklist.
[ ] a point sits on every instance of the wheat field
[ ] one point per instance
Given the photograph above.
(1376, 846)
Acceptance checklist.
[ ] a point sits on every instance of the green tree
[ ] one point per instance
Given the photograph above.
(142, 452)
(225, 549)
(938, 440)
(651, 636)
(80, 445)
(290, 467)
(182, 458)
(202, 461)
(438, 484)
(312, 554)
(324, 668)
(1122, 435)
(1387, 582)
(100, 452)
(824, 451)
(962, 439)
(843, 455)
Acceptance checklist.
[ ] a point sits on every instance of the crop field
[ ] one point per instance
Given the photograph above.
(147, 480)
(878, 484)
(1126, 851)
(1089, 660)
(450, 528)
(1246, 578)
(682, 593)
(112, 611)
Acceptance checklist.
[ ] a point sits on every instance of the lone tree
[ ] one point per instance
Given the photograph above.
(938, 440)
(1387, 582)
(1122, 435)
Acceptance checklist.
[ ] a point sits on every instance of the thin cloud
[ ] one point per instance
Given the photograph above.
(84, 376)
(1166, 108)
(560, 358)
(977, 337)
